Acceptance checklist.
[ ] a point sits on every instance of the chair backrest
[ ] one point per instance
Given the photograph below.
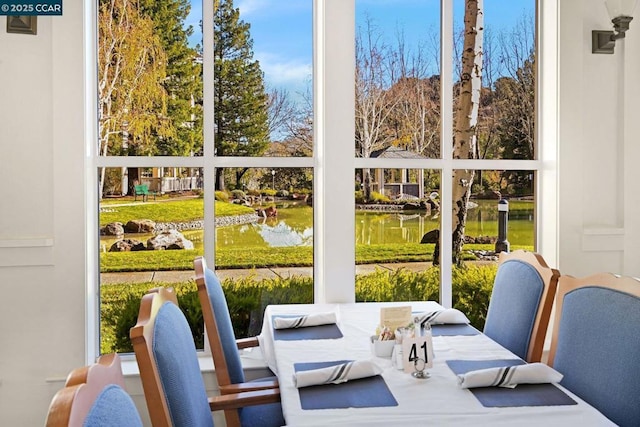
(596, 344)
(521, 302)
(217, 321)
(94, 396)
(166, 354)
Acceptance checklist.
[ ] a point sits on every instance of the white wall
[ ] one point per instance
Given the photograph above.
(42, 310)
(598, 148)
(42, 242)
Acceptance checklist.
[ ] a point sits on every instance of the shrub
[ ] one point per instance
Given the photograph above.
(238, 194)
(222, 196)
(268, 192)
(247, 299)
(120, 304)
(374, 198)
(282, 193)
(471, 288)
(379, 198)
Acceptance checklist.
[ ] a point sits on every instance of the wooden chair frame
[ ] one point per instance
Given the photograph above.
(71, 405)
(550, 279)
(142, 339)
(217, 352)
(629, 285)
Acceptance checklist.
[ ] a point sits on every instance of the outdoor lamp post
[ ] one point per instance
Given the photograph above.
(273, 179)
(502, 244)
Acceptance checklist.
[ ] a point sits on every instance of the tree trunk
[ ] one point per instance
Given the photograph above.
(220, 186)
(239, 174)
(366, 188)
(134, 178)
(464, 135)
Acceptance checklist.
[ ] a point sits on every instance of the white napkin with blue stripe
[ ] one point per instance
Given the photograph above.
(444, 316)
(337, 374)
(510, 376)
(315, 319)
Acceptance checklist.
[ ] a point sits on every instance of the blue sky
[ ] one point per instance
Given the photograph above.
(282, 31)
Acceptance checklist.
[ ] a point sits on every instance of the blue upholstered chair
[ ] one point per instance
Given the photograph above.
(173, 385)
(596, 343)
(225, 346)
(520, 304)
(94, 396)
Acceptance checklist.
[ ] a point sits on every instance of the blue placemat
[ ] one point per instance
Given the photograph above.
(501, 397)
(453, 329)
(363, 393)
(320, 332)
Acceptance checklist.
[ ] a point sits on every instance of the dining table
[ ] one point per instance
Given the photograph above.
(394, 397)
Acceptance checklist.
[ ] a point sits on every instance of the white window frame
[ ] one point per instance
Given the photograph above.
(334, 162)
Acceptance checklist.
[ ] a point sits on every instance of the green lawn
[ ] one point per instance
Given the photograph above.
(231, 257)
(258, 257)
(169, 211)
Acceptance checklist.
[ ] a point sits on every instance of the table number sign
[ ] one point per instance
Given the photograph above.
(417, 353)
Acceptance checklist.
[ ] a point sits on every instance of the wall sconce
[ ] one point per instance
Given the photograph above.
(620, 13)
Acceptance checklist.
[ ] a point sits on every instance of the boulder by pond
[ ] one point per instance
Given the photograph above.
(269, 212)
(127, 245)
(432, 236)
(112, 229)
(169, 240)
(140, 226)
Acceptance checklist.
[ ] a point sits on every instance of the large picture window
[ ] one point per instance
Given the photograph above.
(226, 129)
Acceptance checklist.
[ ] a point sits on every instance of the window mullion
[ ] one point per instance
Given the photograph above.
(208, 130)
(446, 148)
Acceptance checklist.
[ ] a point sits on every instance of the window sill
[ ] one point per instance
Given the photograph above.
(251, 360)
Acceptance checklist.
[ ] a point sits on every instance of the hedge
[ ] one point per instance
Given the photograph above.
(247, 299)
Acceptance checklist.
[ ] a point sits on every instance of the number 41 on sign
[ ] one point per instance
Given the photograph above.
(417, 349)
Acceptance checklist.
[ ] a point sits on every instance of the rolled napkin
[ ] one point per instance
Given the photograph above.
(336, 374)
(447, 315)
(315, 319)
(510, 376)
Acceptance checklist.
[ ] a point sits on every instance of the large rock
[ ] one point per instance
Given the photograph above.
(127, 245)
(411, 206)
(140, 226)
(168, 240)
(112, 229)
(484, 240)
(432, 236)
(269, 212)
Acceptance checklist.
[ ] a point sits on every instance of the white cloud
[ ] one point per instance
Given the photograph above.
(247, 7)
(279, 7)
(290, 74)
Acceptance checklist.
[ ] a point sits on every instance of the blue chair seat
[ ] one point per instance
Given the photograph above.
(595, 343)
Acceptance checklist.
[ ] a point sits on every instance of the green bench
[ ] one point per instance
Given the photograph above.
(143, 191)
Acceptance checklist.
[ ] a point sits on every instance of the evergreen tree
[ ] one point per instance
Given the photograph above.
(240, 98)
(184, 76)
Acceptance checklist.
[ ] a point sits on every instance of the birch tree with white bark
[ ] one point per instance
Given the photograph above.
(466, 119)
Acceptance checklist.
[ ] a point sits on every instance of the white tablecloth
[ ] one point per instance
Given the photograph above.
(438, 400)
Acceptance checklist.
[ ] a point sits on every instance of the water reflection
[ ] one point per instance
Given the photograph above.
(294, 227)
(374, 228)
(284, 235)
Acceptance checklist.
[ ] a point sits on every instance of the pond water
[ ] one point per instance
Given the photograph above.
(409, 227)
(294, 227)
